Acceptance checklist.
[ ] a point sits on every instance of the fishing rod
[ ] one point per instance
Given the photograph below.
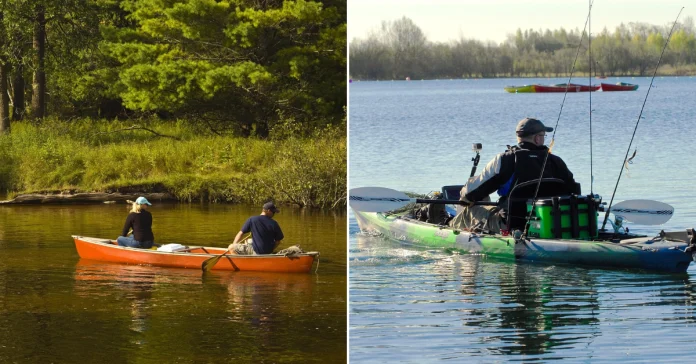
(589, 47)
(606, 215)
(553, 136)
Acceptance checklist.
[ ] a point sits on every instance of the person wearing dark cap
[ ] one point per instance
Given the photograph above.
(140, 221)
(520, 163)
(265, 233)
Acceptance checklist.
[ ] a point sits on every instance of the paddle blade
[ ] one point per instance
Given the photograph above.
(209, 263)
(645, 212)
(377, 199)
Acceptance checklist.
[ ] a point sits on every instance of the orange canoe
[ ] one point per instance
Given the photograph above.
(193, 257)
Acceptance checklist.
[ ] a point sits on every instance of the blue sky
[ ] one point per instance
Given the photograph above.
(444, 20)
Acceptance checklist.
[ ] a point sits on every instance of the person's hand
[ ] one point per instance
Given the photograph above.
(466, 202)
(229, 248)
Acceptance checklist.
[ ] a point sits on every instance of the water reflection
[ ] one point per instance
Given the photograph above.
(522, 309)
(263, 294)
(55, 307)
(133, 283)
(263, 301)
(467, 307)
(546, 311)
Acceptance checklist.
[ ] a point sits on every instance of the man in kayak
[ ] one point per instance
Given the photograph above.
(265, 233)
(520, 163)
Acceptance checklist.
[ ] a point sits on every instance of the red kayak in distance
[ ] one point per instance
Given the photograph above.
(562, 87)
(621, 86)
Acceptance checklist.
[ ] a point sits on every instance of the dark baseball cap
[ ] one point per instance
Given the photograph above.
(531, 126)
(270, 206)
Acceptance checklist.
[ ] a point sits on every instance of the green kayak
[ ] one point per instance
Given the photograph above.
(520, 89)
(666, 252)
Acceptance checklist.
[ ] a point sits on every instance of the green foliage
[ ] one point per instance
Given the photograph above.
(7, 164)
(235, 63)
(91, 155)
(401, 50)
(308, 174)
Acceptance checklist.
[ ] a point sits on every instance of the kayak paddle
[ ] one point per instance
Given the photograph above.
(379, 199)
(644, 212)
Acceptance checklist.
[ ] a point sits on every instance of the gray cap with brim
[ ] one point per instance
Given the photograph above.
(531, 126)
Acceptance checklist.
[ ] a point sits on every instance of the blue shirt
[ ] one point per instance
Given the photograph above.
(264, 233)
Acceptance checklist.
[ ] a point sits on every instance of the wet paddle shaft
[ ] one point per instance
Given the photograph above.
(209, 263)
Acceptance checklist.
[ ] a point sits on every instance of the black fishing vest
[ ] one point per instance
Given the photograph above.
(527, 167)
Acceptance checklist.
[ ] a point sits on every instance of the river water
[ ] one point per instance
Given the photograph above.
(416, 305)
(58, 308)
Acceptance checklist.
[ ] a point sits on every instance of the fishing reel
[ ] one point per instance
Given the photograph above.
(434, 195)
(617, 224)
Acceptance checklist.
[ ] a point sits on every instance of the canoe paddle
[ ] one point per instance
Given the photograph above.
(209, 263)
(380, 199)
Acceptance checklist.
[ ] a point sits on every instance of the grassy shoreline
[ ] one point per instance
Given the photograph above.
(176, 157)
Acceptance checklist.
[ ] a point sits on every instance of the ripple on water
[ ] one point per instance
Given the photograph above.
(460, 307)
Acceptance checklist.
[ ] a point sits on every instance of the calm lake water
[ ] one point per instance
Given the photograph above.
(57, 308)
(415, 305)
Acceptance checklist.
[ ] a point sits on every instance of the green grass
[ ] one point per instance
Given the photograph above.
(95, 155)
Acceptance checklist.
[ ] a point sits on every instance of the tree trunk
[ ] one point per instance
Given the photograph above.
(4, 69)
(4, 98)
(38, 100)
(18, 89)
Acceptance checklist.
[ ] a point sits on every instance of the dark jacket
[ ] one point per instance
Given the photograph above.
(518, 164)
(141, 224)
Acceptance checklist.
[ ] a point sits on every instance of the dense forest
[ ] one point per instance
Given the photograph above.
(400, 49)
(240, 65)
(82, 81)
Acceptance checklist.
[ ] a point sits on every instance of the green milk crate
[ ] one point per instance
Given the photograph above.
(563, 217)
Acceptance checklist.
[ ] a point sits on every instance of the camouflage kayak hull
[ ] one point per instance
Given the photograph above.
(624, 251)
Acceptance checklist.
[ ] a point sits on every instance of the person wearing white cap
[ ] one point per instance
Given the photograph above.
(265, 233)
(140, 221)
(520, 163)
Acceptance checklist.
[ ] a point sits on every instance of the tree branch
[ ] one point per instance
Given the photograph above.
(138, 127)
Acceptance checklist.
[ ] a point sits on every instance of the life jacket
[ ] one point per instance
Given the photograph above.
(528, 164)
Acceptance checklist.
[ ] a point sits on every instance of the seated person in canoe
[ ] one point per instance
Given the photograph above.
(265, 233)
(140, 221)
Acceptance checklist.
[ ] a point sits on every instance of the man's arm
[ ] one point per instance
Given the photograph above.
(238, 237)
(279, 237)
(490, 179)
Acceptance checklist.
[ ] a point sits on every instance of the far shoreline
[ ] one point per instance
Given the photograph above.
(518, 77)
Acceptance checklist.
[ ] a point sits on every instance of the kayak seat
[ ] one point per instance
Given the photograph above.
(452, 192)
(522, 192)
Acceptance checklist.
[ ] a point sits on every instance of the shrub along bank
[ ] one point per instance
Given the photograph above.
(176, 157)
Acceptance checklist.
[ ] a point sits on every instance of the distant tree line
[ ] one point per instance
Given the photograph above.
(400, 49)
(240, 67)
